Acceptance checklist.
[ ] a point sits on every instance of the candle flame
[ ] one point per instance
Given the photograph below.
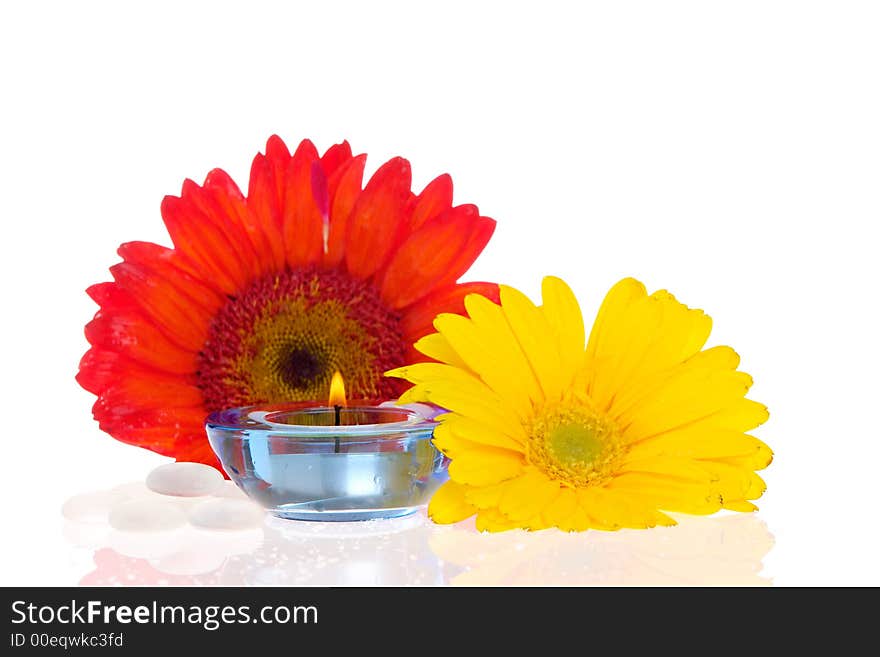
(337, 390)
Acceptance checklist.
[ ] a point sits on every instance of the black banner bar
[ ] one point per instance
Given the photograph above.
(245, 619)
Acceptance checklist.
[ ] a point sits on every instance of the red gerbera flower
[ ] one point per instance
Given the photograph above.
(263, 297)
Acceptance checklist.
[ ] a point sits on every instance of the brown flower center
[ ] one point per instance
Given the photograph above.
(283, 337)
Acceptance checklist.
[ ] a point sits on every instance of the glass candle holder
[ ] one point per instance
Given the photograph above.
(325, 463)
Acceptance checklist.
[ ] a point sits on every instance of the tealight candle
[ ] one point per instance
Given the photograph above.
(335, 462)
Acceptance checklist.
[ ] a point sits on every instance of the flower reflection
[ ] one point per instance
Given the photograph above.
(717, 550)
(721, 550)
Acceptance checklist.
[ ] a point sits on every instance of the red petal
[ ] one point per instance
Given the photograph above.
(182, 319)
(343, 187)
(264, 206)
(278, 155)
(335, 157)
(112, 297)
(178, 432)
(119, 327)
(302, 220)
(221, 200)
(164, 263)
(435, 199)
(135, 391)
(195, 236)
(436, 255)
(376, 218)
(100, 369)
(239, 256)
(418, 319)
(231, 201)
(321, 191)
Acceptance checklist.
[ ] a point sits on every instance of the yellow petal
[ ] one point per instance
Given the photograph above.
(485, 466)
(735, 483)
(686, 469)
(450, 444)
(638, 337)
(667, 493)
(437, 347)
(460, 392)
(562, 508)
(563, 314)
(536, 523)
(478, 432)
(416, 394)
(625, 349)
(740, 505)
(429, 372)
(716, 358)
(492, 520)
(528, 495)
(759, 459)
(449, 505)
(502, 347)
(604, 331)
(487, 356)
(688, 397)
(610, 509)
(618, 298)
(534, 335)
(699, 441)
(576, 521)
(486, 497)
(742, 415)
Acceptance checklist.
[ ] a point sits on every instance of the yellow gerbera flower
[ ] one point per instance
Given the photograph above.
(545, 433)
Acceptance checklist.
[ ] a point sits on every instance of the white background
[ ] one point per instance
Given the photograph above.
(729, 152)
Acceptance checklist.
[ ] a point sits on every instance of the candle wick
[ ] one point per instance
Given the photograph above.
(338, 411)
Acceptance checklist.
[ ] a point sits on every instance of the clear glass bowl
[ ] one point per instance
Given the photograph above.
(377, 463)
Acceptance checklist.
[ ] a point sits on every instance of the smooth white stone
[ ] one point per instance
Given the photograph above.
(88, 507)
(146, 515)
(230, 490)
(185, 479)
(86, 534)
(147, 545)
(227, 514)
(185, 504)
(196, 554)
(131, 491)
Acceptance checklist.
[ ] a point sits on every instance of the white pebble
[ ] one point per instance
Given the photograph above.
(86, 534)
(184, 479)
(196, 554)
(146, 515)
(227, 514)
(230, 490)
(186, 504)
(131, 491)
(147, 545)
(87, 507)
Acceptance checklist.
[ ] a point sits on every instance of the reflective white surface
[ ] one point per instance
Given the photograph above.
(718, 550)
(725, 151)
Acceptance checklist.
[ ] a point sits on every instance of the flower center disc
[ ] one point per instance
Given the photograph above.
(283, 338)
(574, 445)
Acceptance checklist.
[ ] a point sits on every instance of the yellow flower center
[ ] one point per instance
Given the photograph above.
(574, 444)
